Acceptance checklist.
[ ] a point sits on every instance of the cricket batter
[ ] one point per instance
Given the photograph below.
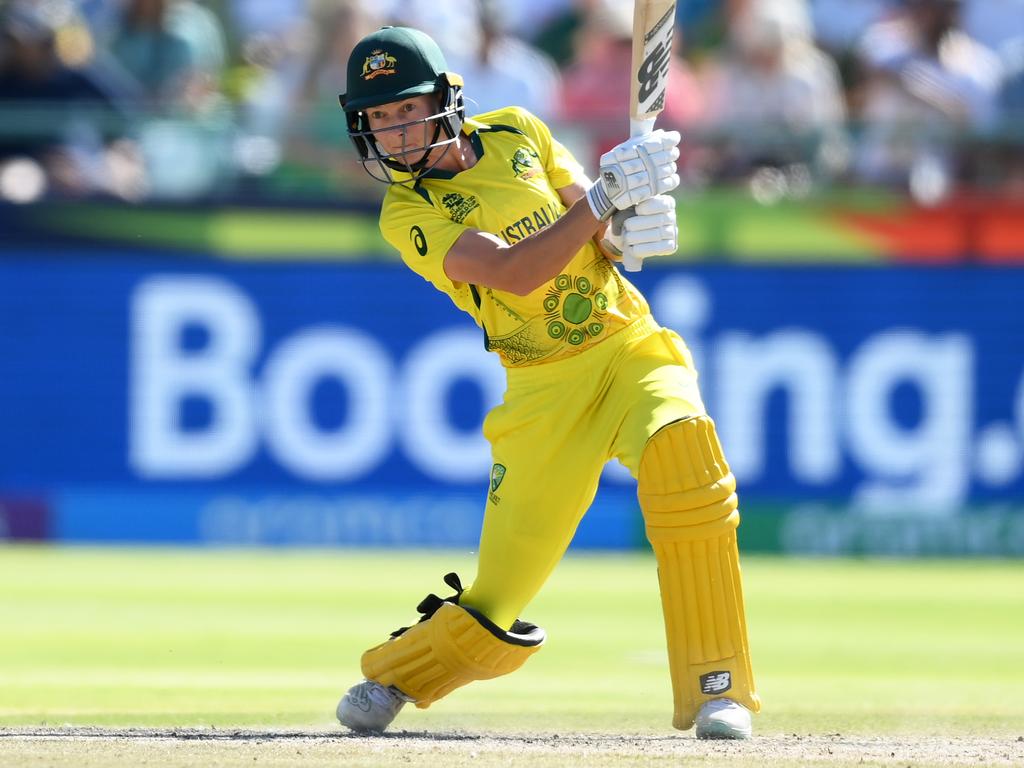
(494, 212)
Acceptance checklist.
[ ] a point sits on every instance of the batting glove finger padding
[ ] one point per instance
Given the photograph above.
(635, 170)
(649, 229)
(658, 204)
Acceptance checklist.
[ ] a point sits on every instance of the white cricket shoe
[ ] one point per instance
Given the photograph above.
(369, 706)
(723, 719)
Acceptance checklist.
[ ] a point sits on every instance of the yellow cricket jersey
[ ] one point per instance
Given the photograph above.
(511, 192)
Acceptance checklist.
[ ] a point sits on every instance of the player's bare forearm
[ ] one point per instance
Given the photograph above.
(631, 173)
(573, 192)
(483, 259)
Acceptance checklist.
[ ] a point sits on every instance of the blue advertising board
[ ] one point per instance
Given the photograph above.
(169, 400)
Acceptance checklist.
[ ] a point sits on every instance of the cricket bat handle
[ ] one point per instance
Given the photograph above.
(637, 128)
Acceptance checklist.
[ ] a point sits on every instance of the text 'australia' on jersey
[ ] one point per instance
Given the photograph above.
(511, 192)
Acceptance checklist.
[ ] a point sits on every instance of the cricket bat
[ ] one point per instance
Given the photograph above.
(653, 21)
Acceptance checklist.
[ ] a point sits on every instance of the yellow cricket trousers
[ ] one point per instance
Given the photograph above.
(558, 425)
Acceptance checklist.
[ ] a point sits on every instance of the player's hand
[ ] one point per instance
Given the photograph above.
(637, 169)
(648, 230)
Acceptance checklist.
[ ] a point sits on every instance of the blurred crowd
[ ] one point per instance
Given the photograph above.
(185, 100)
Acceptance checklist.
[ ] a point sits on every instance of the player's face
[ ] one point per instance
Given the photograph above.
(401, 127)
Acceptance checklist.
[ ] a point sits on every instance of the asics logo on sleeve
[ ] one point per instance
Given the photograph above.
(419, 240)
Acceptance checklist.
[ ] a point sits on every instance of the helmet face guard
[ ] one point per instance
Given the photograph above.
(427, 139)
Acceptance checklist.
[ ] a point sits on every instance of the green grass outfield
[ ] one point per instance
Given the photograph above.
(268, 640)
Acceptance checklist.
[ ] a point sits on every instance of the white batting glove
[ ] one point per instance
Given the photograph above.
(637, 169)
(648, 230)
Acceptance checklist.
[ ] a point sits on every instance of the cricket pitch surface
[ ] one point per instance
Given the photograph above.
(86, 747)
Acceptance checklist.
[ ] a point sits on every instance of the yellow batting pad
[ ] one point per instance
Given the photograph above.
(453, 647)
(688, 498)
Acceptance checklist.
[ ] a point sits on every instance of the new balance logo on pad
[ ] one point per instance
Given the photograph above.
(715, 682)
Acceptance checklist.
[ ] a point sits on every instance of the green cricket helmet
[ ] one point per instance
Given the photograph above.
(392, 64)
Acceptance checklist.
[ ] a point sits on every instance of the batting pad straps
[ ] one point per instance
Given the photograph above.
(455, 646)
(688, 498)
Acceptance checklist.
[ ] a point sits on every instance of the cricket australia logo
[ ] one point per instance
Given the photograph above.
(574, 310)
(497, 475)
(715, 682)
(523, 163)
(379, 63)
(459, 207)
